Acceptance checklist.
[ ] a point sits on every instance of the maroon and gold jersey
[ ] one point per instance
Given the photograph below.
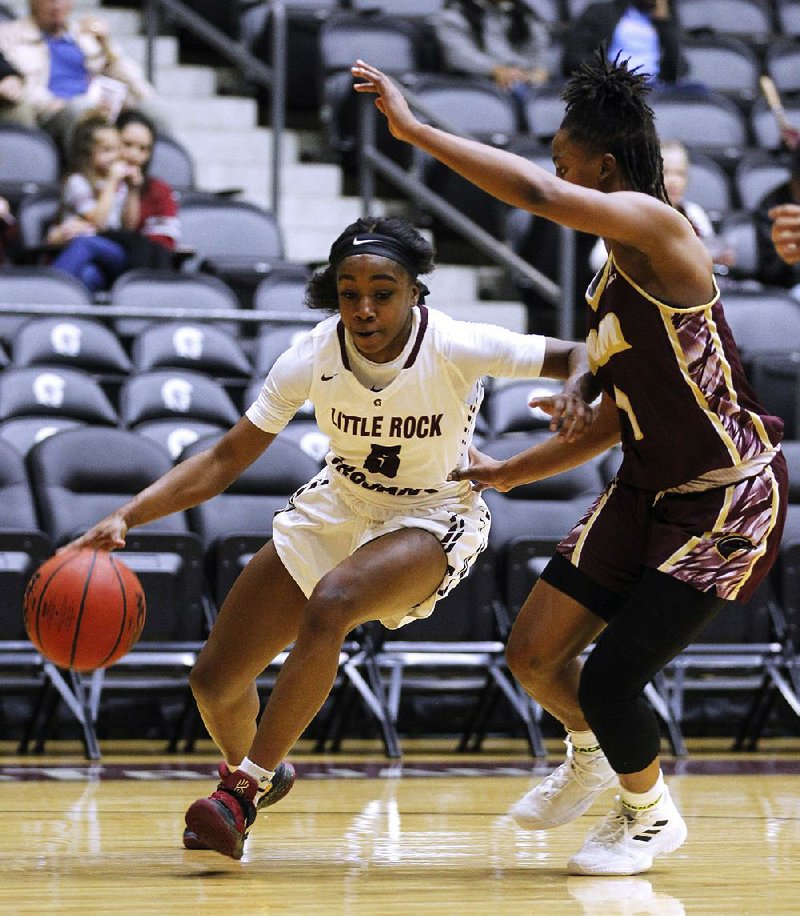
(686, 408)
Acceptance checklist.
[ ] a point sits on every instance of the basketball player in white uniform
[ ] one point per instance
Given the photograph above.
(379, 534)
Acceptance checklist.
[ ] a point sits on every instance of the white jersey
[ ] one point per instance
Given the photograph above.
(396, 445)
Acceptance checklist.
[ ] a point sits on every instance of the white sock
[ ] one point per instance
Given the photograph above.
(643, 801)
(262, 777)
(584, 742)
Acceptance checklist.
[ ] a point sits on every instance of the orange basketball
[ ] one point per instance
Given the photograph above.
(84, 609)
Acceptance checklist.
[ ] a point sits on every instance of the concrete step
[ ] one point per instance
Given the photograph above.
(224, 113)
(310, 240)
(181, 81)
(121, 22)
(165, 50)
(305, 188)
(237, 146)
(451, 283)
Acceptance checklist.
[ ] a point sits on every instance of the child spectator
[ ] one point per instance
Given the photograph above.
(115, 216)
(94, 199)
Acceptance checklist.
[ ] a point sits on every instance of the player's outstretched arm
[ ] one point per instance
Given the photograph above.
(545, 459)
(188, 484)
(635, 219)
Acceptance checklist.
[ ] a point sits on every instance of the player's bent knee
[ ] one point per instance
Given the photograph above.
(333, 607)
(527, 661)
(209, 685)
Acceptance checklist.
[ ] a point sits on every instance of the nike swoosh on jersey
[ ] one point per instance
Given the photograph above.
(327, 378)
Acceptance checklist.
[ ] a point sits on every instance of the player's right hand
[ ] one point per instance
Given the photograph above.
(108, 534)
(485, 472)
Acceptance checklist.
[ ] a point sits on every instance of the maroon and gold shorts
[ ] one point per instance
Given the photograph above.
(722, 540)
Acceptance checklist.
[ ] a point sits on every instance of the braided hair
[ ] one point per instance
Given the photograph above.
(607, 111)
(518, 30)
(321, 292)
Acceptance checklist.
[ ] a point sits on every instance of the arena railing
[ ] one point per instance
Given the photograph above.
(271, 78)
(103, 312)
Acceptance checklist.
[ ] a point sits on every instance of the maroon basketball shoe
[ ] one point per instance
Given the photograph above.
(221, 821)
(282, 782)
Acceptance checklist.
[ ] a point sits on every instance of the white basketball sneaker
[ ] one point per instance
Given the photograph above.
(627, 841)
(567, 792)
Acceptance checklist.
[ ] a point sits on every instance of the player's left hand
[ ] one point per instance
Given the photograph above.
(570, 415)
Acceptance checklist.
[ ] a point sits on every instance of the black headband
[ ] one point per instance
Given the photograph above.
(384, 246)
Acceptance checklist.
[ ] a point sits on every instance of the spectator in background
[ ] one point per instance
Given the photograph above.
(154, 228)
(114, 216)
(502, 40)
(778, 264)
(676, 164)
(66, 68)
(645, 31)
(11, 87)
(9, 233)
(786, 232)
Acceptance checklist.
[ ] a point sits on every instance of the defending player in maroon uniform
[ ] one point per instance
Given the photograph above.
(694, 516)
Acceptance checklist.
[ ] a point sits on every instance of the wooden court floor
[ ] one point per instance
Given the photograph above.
(363, 835)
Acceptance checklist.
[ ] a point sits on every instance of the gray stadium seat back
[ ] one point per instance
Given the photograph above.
(220, 229)
(172, 163)
(710, 120)
(30, 157)
(169, 289)
(740, 17)
(757, 174)
(271, 342)
(783, 65)
(544, 111)
(81, 475)
(723, 64)
(24, 432)
(54, 391)
(709, 184)
(474, 105)
(739, 232)
(35, 214)
(37, 286)
(175, 435)
(788, 13)
(190, 345)
(754, 317)
(382, 38)
(765, 129)
(175, 394)
(78, 342)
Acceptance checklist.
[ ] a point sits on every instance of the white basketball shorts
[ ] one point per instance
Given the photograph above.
(322, 525)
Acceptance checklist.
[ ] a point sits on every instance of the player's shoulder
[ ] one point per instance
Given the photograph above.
(455, 333)
(445, 327)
